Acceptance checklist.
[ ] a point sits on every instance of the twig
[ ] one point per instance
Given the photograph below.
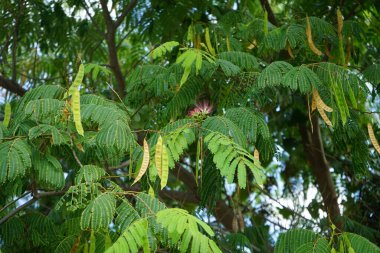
(125, 12)
(18, 209)
(120, 166)
(14, 201)
(75, 155)
(367, 112)
(36, 197)
(121, 101)
(283, 206)
(97, 28)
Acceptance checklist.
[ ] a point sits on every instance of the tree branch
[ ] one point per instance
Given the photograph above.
(106, 14)
(29, 203)
(266, 6)
(315, 153)
(11, 86)
(97, 28)
(121, 165)
(112, 50)
(125, 12)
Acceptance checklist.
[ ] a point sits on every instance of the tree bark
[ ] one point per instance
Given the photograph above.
(114, 62)
(11, 86)
(313, 146)
(111, 43)
(268, 9)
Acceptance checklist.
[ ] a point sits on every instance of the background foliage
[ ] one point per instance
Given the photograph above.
(191, 126)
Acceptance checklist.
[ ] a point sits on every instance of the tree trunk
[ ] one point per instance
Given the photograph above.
(314, 150)
(114, 63)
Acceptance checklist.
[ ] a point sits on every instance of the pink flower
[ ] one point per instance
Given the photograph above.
(201, 109)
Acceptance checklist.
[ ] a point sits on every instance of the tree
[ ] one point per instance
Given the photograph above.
(189, 126)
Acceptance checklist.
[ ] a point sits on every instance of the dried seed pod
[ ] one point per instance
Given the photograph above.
(144, 164)
(290, 52)
(373, 139)
(310, 38)
(324, 117)
(317, 103)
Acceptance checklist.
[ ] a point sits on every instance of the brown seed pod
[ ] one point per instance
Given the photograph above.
(290, 52)
(373, 139)
(317, 103)
(310, 38)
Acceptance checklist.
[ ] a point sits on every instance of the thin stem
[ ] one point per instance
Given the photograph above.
(14, 201)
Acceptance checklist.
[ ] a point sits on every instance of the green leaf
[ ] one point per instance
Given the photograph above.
(253, 126)
(15, 160)
(227, 67)
(57, 137)
(228, 155)
(116, 135)
(126, 214)
(273, 74)
(186, 59)
(372, 74)
(99, 213)
(163, 49)
(242, 60)
(291, 240)
(183, 226)
(45, 108)
(133, 238)
(48, 171)
(321, 245)
(361, 244)
(89, 174)
(301, 78)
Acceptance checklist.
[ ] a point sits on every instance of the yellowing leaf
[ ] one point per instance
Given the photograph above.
(165, 167)
(256, 154)
(163, 49)
(373, 139)
(228, 44)
(208, 42)
(7, 114)
(151, 192)
(158, 156)
(75, 97)
(144, 164)
(310, 38)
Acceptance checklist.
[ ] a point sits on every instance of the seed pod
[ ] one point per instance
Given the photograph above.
(290, 51)
(7, 114)
(310, 38)
(373, 139)
(144, 164)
